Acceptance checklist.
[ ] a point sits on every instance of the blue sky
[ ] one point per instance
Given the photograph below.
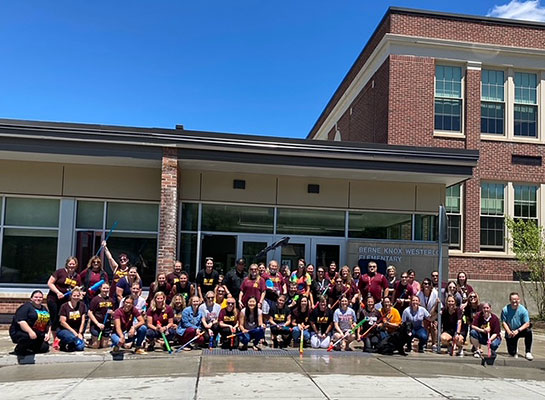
(258, 67)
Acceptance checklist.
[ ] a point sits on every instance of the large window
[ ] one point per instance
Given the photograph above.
(492, 102)
(448, 98)
(492, 216)
(310, 222)
(135, 232)
(228, 218)
(29, 239)
(453, 207)
(525, 104)
(375, 225)
(525, 202)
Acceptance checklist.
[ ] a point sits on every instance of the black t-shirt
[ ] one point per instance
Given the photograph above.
(318, 288)
(184, 291)
(206, 281)
(322, 319)
(279, 316)
(450, 321)
(37, 318)
(299, 317)
(233, 281)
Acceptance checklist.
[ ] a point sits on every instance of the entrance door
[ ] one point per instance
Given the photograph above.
(220, 247)
(248, 246)
(326, 250)
(295, 249)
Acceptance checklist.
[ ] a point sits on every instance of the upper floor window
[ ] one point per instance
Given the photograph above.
(525, 104)
(448, 98)
(492, 216)
(454, 211)
(525, 202)
(492, 102)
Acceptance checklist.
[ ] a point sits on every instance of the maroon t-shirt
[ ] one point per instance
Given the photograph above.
(73, 315)
(229, 318)
(173, 278)
(252, 288)
(126, 319)
(94, 277)
(64, 282)
(100, 306)
(161, 316)
(374, 285)
(402, 292)
(481, 322)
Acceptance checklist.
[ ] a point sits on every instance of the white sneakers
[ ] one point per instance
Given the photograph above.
(460, 353)
(529, 356)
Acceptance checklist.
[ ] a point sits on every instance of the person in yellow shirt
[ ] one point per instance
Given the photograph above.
(391, 320)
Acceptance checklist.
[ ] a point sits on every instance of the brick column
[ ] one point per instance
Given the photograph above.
(168, 211)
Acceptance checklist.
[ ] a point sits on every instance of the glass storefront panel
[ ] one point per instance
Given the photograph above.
(133, 216)
(425, 227)
(224, 218)
(373, 225)
(190, 217)
(90, 214)
(310, 222)
(28, 255)
(188, 253)
(21, 211)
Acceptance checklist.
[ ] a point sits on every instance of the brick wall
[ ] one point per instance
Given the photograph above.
(491, 268)
(10, 305)
(168, 211)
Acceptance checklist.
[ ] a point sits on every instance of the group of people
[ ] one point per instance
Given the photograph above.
(318, 307)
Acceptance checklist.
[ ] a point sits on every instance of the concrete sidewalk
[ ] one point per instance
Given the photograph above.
(102, 355)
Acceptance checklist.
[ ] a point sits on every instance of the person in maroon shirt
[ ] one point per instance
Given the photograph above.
(160, 320)
(403, 293)
(228, 324)
(72, 323)
(60, 282)
(331, 273)
(485, 329)
(451, 320)
(100, 307)
(353, 294)
(94, 273)
(375, 283)
(123, 325)
(252, 286)
(174, 277)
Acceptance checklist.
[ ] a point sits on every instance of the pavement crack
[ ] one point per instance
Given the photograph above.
(71, 388)
(310, 377)
(198, 377)
(413, 378)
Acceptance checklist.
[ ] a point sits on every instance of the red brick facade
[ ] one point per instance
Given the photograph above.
(405, 86)
(168, 211)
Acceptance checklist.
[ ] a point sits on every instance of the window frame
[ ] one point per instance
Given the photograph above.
(459, 246)
(461, 99)
(488, 247)
(535, 105)
(491, 101)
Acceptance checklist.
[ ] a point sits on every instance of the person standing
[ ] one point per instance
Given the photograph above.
(207, 279)
(516, 322)
(174, 277)
(253, 286)
(234, 277)
(374, 283)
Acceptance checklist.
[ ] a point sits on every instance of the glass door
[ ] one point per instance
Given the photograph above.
(326, 250)
(295, 249)
(220, 247)
(249, 247)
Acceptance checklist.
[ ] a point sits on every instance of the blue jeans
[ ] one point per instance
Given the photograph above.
(256, 336)
(138, 338)
(483, 339)
(296, 334)
(69, 341)
(422, 334)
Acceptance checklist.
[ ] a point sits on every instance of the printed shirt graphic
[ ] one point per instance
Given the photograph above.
(42, 322)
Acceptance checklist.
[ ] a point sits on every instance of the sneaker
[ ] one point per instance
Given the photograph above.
(529, 356)
(516, 355)
(477, 354)
(460, 353)
(56, 344)
(140, 350)
(116, 349)
(434, 348)
(151, 347)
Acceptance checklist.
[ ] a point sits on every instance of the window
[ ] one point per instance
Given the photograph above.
(227, 218)
(426, 227)
(492, 102)
(525, 202)
(374, 225)
(298, 221)
(525, 104)
(29, 242)
(448, 98)
(454, 212)
(492, 216)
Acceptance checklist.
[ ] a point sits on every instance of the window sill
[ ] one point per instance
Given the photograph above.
(503, 138)
(484, 254)
(450, 135)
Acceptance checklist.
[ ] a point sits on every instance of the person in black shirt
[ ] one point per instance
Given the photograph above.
(278, 317)
(319, 286)
(233, 279)
(207, 279)
(321, 322)
(31, 326)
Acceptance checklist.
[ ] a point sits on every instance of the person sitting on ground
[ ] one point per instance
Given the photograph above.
(124, 327)
(183, 287)
(451, 321)
(251, 325)
(228, 324)
(319, 287)
(178, 305)
(417, 315)
(429, 299)
(321, 323)
(278, 318)
(252, 286)
(369, 331)
(299, 321)
(391, 320)
(159, 285)
(124, 285)
(344, 319)
(100, 315)
(486, 330)
(72, 323)
(207, 278)
(516, 322)
(210, 311)
(191, 324)
(403, 293)
(30, 327)
(160, 321)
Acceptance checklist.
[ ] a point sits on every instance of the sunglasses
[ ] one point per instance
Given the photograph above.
(230, 304)
(472, 297)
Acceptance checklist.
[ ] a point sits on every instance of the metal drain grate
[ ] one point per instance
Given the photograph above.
(251, 353)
